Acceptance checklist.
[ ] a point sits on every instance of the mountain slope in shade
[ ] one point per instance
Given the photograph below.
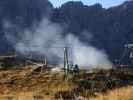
(111, 28)
(23, 14)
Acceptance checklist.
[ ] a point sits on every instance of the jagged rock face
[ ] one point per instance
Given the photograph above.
(22, 13)
(111, 28)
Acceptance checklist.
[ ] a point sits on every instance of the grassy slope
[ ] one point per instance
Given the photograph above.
(27, 85)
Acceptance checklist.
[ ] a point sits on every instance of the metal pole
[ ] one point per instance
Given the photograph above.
(45, 62)
(44, 65)
(66, 67)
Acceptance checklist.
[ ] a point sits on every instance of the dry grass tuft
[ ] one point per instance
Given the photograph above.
(125, 93)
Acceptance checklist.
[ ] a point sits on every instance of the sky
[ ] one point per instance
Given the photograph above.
(105, 3)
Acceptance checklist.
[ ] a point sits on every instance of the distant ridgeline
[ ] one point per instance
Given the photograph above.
(111, 28)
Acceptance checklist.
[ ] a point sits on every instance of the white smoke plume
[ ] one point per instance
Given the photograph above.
(46, 38)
